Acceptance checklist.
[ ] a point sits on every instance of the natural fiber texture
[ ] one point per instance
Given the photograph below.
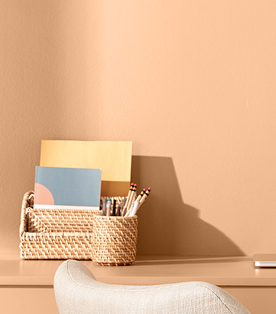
(54, 234)
(59, 220)
(114, 240)
(56, 245)
(78, 292)
(62, 220)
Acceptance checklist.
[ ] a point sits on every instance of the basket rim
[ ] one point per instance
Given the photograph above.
(114, 217)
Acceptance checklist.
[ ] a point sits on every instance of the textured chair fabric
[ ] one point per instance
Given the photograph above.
(78, 292)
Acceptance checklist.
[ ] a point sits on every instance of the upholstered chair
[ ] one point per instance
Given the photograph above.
(78, 292)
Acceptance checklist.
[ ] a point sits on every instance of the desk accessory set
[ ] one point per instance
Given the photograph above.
(62, 220)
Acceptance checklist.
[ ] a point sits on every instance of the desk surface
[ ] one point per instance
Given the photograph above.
(228, 271)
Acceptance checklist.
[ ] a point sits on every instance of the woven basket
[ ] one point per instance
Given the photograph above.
(62, 220)
(114, 240)
(55, 234)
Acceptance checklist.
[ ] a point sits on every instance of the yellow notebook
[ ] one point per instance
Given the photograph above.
(113, 157)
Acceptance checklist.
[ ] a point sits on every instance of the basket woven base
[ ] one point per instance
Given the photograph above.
(56, 246)
(114, 240)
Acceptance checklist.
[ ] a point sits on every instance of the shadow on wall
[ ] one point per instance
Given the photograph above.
(167, 226)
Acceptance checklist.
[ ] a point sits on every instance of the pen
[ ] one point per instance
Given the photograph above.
(108, 206)
(114, 208)
(104, 206)
(121, 206)
(118, 212)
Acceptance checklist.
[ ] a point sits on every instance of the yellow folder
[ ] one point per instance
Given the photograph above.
(113, 157)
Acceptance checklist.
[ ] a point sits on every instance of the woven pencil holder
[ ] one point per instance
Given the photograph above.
(114, 240)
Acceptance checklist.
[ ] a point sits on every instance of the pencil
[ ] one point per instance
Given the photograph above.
(132, 195)
(144, 197)
(139, 201)
(140, 195)
(127, 201)
(108, 207)
(120, 207)
(131, 198)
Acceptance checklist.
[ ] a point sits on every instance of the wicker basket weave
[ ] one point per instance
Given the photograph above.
(62, 220)
(55, 234)
(114, 240)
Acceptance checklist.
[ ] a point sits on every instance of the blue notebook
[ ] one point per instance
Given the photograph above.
(67, 188)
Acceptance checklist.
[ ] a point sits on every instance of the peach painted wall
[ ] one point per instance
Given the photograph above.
(191, 83)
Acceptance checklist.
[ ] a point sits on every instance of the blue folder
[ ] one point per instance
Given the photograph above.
(67, 188)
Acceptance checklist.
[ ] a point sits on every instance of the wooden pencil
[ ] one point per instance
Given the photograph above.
(123, 210)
